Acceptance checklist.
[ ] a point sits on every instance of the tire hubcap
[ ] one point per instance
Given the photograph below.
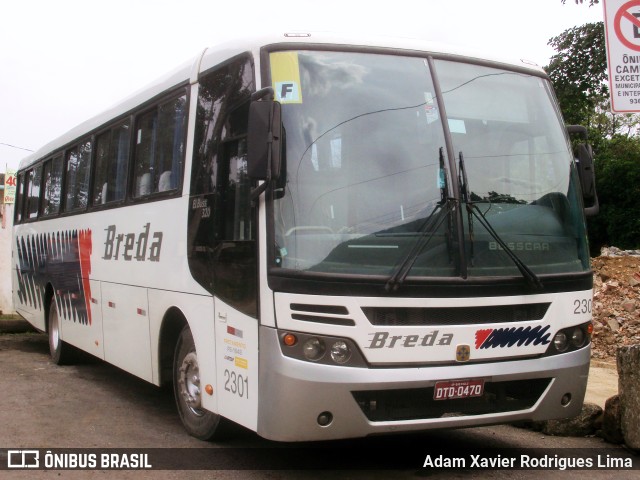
(54, 331)
(189, 383)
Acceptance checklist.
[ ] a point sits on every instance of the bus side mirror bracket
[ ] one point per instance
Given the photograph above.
(586, 170)
(263, 142)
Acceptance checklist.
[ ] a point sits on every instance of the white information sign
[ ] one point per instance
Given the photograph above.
(622, 27)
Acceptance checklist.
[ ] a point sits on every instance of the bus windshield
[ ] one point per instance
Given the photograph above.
(370, 179)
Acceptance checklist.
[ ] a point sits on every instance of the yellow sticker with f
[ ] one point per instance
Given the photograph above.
(285, 75)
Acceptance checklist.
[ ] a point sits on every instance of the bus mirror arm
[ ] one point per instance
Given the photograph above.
(262, 93)
(256, 192)
(593, 209)
(263, 142)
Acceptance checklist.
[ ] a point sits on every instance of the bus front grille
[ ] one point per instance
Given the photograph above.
(418, 403)
(384, 316)
(330, 314)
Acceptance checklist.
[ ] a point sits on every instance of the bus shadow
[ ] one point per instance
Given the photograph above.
(31, 342)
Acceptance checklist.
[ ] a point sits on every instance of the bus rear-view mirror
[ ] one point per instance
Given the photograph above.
(265, 131)
(586, 170)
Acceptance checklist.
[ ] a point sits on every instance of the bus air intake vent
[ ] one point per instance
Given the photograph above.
(455, 315)
(418, 403)
(321, 314)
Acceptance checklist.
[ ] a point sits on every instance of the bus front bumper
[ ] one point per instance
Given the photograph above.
(303, 401)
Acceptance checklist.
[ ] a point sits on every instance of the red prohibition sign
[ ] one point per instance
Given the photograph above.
(623, 12)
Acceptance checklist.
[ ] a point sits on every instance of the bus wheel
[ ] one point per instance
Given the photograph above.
(61, 353)
(198, 422)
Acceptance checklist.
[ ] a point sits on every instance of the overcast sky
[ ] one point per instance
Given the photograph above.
(63, 61)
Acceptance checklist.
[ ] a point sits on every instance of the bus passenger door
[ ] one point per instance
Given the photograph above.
(125, 320)
(235, 288)
(237, 365)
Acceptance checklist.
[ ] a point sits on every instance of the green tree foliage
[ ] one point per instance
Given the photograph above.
(579, 74)
(618, 185)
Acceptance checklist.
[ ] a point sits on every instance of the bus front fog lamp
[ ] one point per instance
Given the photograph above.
(325, 419)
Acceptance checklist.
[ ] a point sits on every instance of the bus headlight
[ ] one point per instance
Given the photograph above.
(577, 337)
(570, 339)
(321, 349)
(560, 341)
(313, 349)
(340, 352)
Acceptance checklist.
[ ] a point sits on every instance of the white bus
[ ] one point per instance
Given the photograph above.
(318, 238)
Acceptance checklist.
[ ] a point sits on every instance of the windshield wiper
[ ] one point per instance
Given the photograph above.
(465, 197)
(431, 224)
(474, 211)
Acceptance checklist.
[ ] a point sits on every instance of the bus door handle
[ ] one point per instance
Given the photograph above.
(222, 316)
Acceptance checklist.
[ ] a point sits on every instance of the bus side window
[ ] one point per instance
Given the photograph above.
(112, 156)
(145, 144)
(172, 122)
(34, 180)
(78, 170)
(52, 186)
(19, 212)
(102, 165)
(159, 153)
(118, 163)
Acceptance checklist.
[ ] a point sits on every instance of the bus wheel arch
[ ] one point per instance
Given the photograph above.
(172, 324)
(197, 421)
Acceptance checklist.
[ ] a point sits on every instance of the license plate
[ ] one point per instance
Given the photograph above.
(451, 389)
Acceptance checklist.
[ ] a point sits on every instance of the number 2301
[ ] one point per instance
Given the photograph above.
(236, 384)
(582, 306)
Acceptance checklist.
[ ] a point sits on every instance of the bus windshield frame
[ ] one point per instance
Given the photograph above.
(400, 202)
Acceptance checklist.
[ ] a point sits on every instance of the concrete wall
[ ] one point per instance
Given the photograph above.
(6, 300)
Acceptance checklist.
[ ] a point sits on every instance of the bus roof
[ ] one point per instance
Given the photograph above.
(212, 56)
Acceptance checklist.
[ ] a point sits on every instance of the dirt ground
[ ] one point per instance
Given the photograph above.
(616, 304)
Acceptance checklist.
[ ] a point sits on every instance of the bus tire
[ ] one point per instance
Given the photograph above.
(197, 421)
(61, 353)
